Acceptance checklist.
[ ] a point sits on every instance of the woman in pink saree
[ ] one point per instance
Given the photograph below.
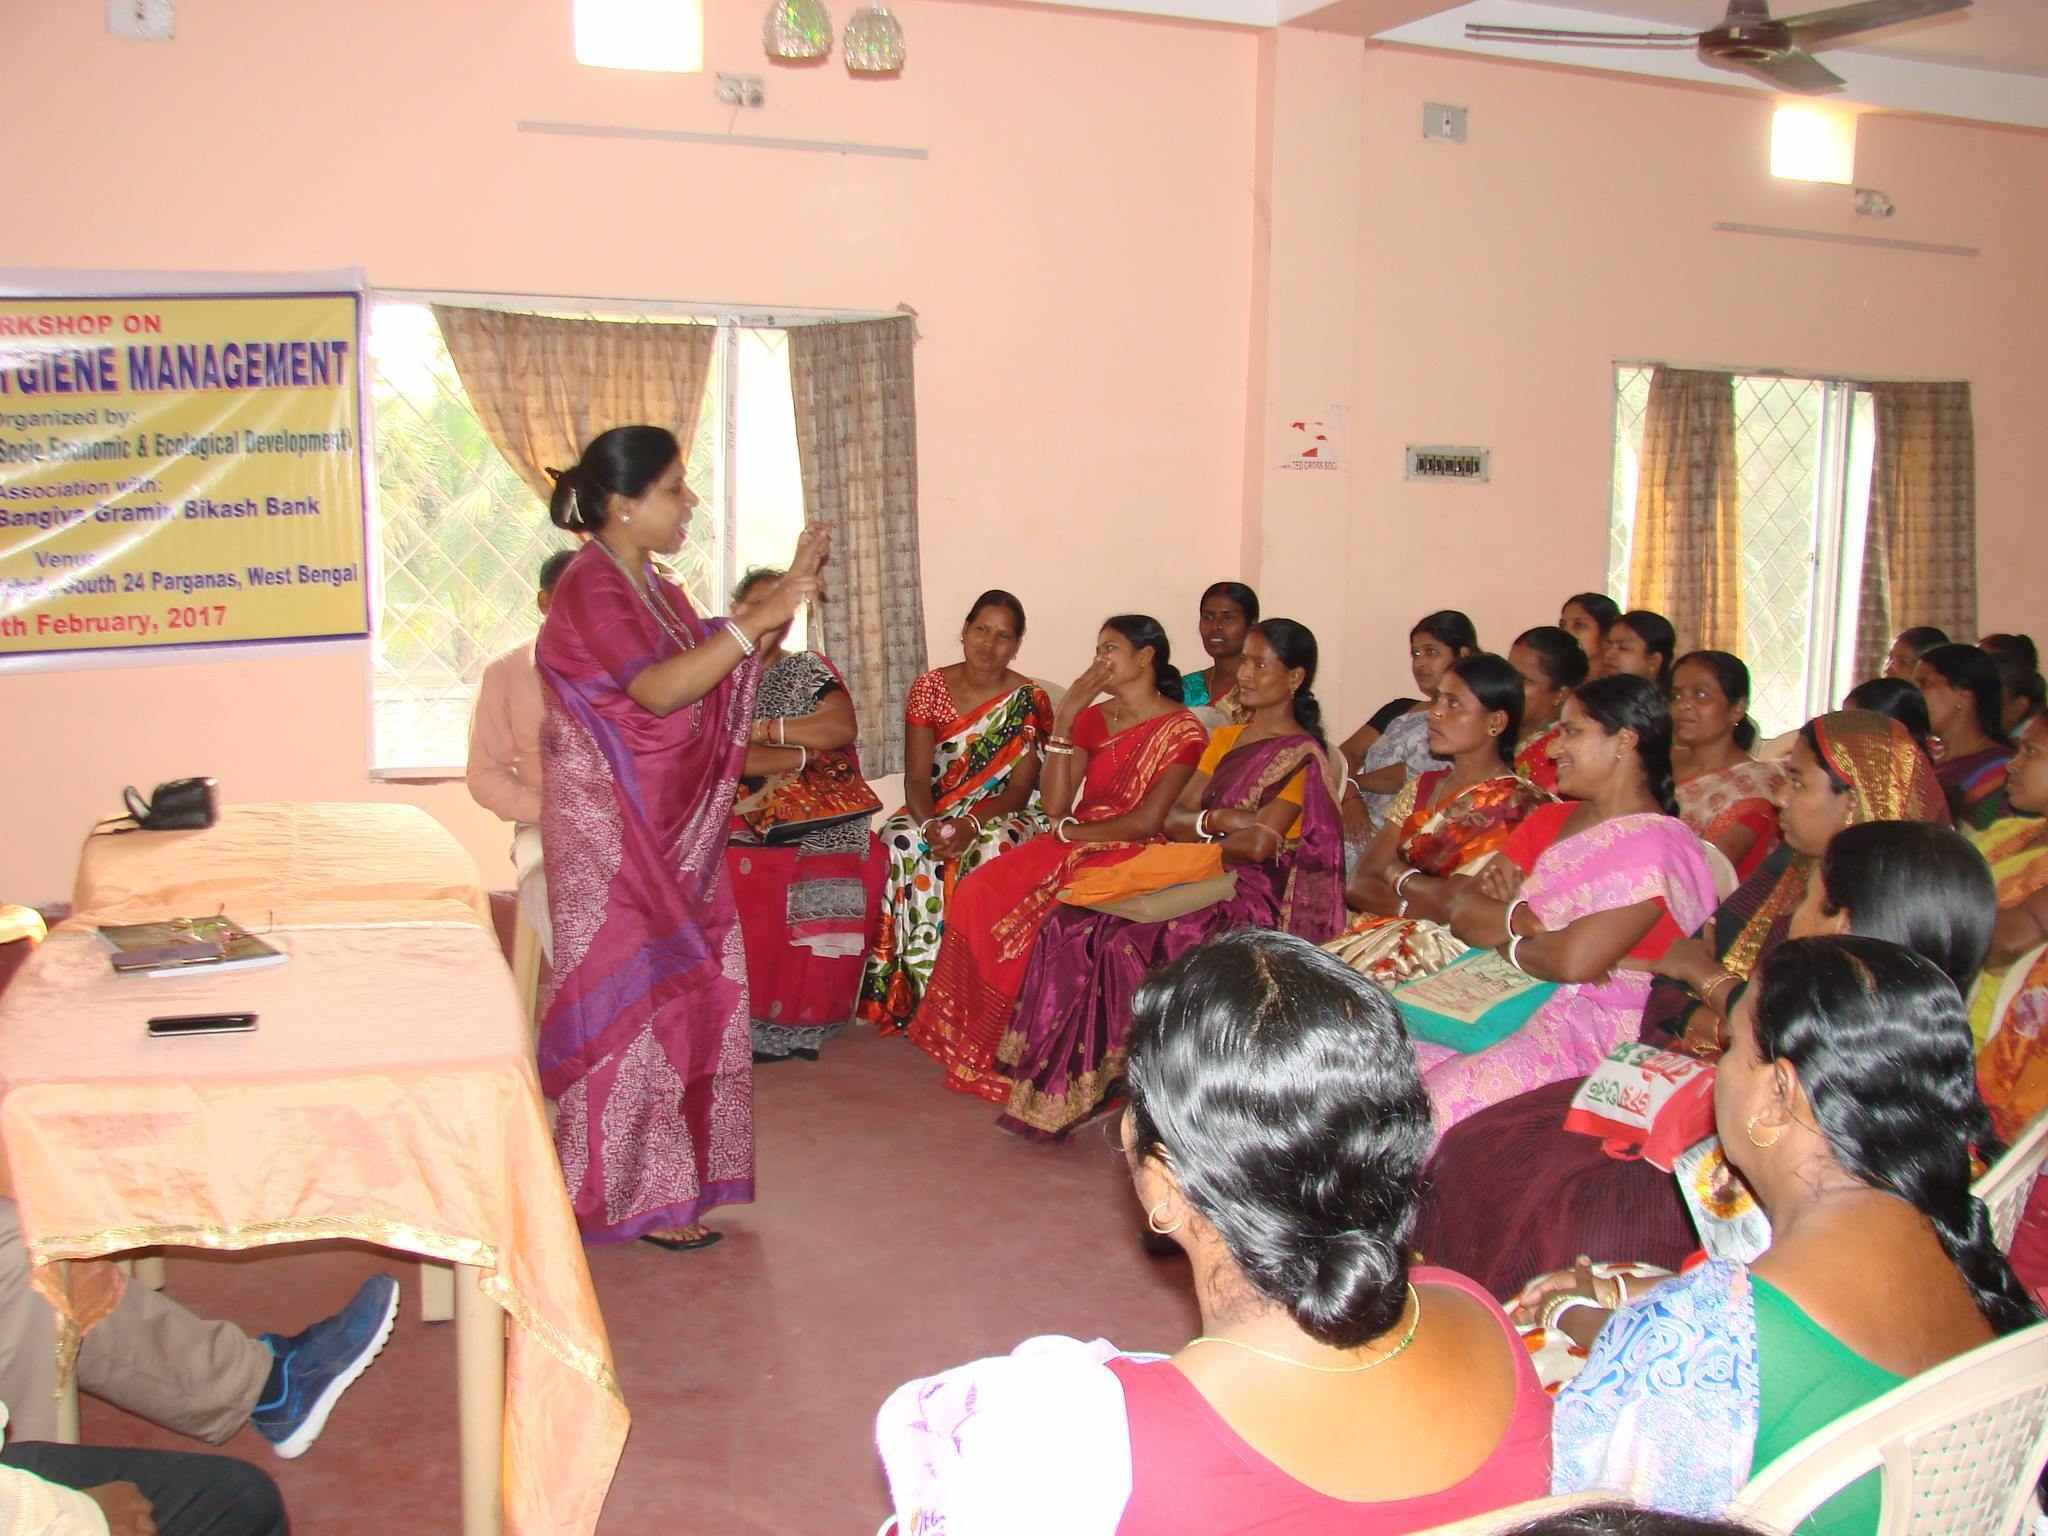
(644, 1045)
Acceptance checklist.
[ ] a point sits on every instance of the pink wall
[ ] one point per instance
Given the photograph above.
(1101, 234)
(1077, 246)
(1499, 281)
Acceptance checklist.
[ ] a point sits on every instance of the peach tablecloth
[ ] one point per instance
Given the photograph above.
(315, 861)
(387, 1095)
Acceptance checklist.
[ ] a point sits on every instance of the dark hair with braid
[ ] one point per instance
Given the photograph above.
(1497, 686)
(1563, 661)
(1658, 637)
(1916, 885)
(1237, 592)
(1278, 1086)
(1731, 676)
(1597, 606)
(1881, 1042)
(1894, 698)
(1141, 629)
(1921, 638)
(1450, 629)
(1295, 645)
(1625, 702)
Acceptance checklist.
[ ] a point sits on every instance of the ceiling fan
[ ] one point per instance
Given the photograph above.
(1779, 53)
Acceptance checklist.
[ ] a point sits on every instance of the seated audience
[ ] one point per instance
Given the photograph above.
(1112, 771)
(1641, 644)
(1441, 826)
(2019, 676)
(1848, 1102)
(1261, 804)
(1586, 618)
(1551, 665)
(806, 908)
(971, 733)
(1229, 610)
(1513, 1193)
(1275, 1132)
(1966, 706)
(1725, 795)
(1382, 761)
(504, 758)
(1580, 886)
(1903, 660)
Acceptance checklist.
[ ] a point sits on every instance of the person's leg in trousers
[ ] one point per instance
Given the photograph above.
(189, 1493)
(150, 1356)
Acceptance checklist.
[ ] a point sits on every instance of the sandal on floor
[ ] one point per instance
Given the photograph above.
(683, 1245)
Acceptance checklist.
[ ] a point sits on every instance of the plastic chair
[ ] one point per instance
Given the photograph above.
(1959, 1448)
(2007, 1183)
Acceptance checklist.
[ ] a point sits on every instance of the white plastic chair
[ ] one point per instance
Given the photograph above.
(1959, 1448)
(2007, 1183)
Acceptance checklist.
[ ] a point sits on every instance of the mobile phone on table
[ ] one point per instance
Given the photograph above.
(171, 1026)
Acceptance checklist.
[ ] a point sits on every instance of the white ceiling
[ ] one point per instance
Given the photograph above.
(1989, 63)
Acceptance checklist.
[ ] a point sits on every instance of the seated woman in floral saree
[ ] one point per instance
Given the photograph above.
(2016, 848)
(1442, 826)
(970, 786)
(1552, 665)
(1727, 797)
(1066, 1048)
(1138, 750)
(1579, 888)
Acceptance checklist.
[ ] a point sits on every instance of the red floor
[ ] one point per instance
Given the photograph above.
(897, 1232)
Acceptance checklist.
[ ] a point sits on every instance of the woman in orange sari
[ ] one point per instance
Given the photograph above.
(1441, 827)
(1112, 772)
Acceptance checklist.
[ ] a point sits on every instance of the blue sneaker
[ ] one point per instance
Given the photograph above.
(312, 1369)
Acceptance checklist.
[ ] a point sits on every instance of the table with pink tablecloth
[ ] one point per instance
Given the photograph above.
(387, 1096)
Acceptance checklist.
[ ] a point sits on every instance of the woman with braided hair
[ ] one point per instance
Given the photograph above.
(1848, 1101)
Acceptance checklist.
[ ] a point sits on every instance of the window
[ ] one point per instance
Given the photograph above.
(461, 536)
(1802, 462)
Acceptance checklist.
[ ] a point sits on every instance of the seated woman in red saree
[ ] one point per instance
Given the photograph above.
(1442, 826)
(1552, 664)
(1067, 1045)
(1137, 751)
(807, 908)
(1726, 796)
(643, 1046)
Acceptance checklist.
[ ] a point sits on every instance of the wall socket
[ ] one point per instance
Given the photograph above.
(1443, 122)
(152, 21)
(739, 90)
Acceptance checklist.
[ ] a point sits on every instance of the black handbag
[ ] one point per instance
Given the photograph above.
(182, 805)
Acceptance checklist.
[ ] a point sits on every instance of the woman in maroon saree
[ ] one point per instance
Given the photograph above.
(644, 1044)
(1263, 797)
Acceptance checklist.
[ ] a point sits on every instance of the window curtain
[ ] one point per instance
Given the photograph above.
(544, 386)
(856, 436)
(1683, 557)
(1920, 544)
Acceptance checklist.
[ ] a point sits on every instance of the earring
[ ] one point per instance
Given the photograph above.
(1749, 1130)
(1152, 1221)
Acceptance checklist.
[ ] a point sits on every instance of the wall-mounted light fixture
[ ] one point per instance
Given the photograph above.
(640, 34)
(1810, 142)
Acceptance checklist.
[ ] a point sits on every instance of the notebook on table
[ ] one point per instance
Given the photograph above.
(186, 944)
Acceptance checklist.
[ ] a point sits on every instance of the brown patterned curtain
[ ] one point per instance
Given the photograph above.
(1683, 554)
(543, 386)
(856, 434)
(1920, 545)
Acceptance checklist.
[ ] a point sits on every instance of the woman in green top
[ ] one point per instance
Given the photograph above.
(1848, 1101)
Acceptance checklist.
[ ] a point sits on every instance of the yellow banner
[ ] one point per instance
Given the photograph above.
(180, 471)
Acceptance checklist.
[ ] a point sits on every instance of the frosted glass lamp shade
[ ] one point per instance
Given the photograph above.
(797, 30)
(873, 44)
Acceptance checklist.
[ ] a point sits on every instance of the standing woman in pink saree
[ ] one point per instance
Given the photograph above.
(644, 1046)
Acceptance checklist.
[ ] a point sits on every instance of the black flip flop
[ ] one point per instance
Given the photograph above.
(680, 1245)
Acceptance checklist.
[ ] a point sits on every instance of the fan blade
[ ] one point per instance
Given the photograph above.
(1821, 29)
(1791, 71)
(1483, 32)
